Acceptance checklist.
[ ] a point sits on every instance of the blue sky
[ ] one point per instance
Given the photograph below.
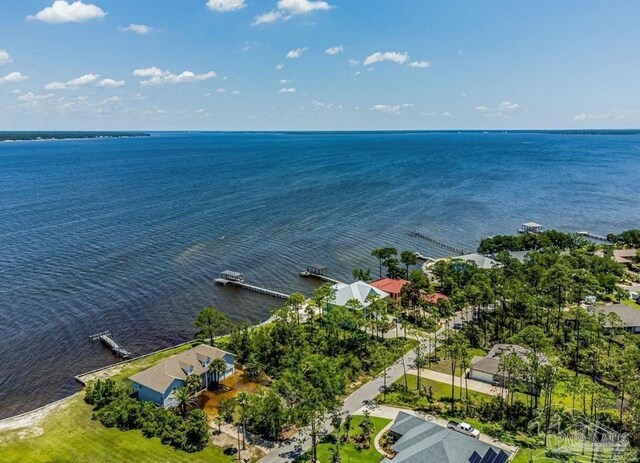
(318, 65)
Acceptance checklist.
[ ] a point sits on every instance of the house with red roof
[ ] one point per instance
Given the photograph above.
(433, 298)
(391, 286)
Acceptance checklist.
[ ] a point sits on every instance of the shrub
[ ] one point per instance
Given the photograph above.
(102, 393)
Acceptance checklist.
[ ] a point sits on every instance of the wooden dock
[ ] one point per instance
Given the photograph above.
(318, 271)
(240, 283)
(442, 244)
(593, 236)
(106, 338)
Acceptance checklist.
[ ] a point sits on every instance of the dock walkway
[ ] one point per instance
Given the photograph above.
(306, 274)
(593, 236)
(442, 244)
(255, 289)
(106, 338)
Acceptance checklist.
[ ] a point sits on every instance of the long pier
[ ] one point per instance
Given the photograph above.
(255, 289)
(305, 274)
(593, 236)
(442, 244)
(106, 338)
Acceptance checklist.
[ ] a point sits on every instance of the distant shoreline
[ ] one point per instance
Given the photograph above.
(66, 135)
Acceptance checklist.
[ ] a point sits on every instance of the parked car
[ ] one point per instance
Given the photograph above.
(464, 428)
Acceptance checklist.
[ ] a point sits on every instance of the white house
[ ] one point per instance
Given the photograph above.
(359, 291)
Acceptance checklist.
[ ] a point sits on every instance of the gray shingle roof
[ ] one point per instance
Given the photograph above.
(196, 360)
(427, 442)
(630, 316)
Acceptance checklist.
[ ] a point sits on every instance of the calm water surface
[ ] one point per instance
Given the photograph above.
(129, 234)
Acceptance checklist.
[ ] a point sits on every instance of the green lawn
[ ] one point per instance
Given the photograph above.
(631, 303)
(350, 452)
(71, 437)
(444, 365)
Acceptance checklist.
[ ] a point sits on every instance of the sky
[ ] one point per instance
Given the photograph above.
(318, 65)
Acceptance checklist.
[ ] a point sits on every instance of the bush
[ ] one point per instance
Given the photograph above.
(102, 393)
(190, 435)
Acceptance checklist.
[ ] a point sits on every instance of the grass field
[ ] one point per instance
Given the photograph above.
(351, 453)
(631, 303)
(70, 436)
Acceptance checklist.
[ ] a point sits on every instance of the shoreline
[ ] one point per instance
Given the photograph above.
(33, 418)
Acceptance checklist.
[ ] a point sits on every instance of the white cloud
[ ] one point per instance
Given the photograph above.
(160, 77)
(288, 8)
(504, 109)
(63, 12)
(150, 72)
(302, 6)
(419, 64)
(508, 106)
(383, 108)
(110, 83)
(353, 62)
(320, 105)
(221, 90)
(13, 78)
(297, 53)
(393, 56)
(357, 73)
(334, 50)
(447, 114)
(224, 6)
(236, 92)
(200, 111)
(16, 91)
(73, 83)
(268, 17)
(614, 114)
(141, 29)
(287, 90)
(5, 57)
(279, 66)
(30, 96)
(285, 82)
(407, 105)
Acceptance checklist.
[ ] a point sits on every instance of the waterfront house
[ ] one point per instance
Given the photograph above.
(421, 441)
(156, 384)
(488, 369)
(478, 259)
(392, 286)
(360, 291)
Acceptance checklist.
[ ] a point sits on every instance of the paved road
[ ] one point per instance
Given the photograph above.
(352, 404)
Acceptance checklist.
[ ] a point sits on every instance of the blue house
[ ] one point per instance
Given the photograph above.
(156, 384)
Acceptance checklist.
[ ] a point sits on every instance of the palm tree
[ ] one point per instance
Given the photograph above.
(243, 401)
(217, 368)
(211, 323)
(185, 399)
(193, 383)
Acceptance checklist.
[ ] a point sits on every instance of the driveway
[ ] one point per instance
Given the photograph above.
(390, 413)
(472, 384)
